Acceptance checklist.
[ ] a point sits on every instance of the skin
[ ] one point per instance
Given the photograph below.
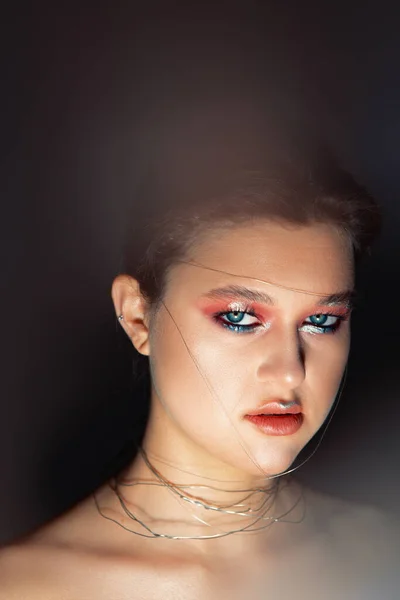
(197, 424)
(199, 436)
(278, 360)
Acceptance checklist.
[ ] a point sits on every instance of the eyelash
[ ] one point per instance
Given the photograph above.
(319, 329)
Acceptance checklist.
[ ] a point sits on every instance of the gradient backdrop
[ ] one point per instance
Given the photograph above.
(82, 94)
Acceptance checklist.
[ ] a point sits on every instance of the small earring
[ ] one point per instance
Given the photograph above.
(121, 318)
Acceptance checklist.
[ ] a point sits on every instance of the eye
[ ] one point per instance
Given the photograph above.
(238, 320)
(322, 323)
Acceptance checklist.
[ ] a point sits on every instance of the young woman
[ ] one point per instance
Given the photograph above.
(239, 297)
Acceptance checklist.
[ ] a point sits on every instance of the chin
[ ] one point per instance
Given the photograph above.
(272, 463)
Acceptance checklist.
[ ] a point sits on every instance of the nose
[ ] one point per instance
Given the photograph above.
(282, 363)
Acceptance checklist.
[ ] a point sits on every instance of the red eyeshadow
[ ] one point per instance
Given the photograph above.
(211, 307)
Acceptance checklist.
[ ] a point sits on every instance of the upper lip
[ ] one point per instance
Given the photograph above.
(276, 407)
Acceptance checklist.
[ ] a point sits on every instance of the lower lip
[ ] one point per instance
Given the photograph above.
(277, 424)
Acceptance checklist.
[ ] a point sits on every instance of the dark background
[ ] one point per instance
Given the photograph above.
(83, 95)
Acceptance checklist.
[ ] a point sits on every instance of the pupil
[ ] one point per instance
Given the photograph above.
(236, 315)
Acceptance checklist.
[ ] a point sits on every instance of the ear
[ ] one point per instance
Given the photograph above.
(130, 302)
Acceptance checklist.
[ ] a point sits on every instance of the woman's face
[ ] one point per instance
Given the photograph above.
(224, 344)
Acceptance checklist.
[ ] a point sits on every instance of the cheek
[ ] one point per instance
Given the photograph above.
(192, 378)
(325, 366)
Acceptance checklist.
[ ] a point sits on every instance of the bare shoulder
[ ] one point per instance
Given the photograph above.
(333, 512)
(363, 534)
(77, 555)
(20, 574)
(52, 562)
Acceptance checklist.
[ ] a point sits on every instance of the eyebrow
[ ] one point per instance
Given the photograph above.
(345, 298)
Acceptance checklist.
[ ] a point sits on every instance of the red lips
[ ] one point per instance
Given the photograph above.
(274, 418)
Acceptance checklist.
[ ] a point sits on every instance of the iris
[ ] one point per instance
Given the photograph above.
(319, 319)
(235, 316)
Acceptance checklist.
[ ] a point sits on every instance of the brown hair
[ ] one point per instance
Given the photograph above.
(201, 188)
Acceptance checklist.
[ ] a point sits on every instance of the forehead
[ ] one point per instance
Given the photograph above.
(317, 258)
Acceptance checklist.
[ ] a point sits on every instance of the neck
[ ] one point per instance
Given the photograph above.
(174, 490)
(181, 508)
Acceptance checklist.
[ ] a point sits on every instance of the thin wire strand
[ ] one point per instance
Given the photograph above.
(197, 501)
(183, 499)
(272, 283)
(246, 529)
